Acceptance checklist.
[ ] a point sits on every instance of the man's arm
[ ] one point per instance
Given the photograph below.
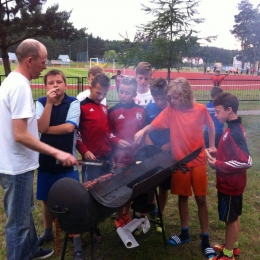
(22, 136)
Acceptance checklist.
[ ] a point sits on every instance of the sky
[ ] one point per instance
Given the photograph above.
(110, 18)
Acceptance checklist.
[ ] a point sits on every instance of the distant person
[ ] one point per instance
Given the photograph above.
(160, 138)
(231, 162)
(126, 118)
(58, 118)
(258, 72)
(92, 72)
(143, 77)
(118, 77)
(247, 71)
(217, 78)
(241, 71)
(215, 91)
(19, 154)
(186, 118)
(205, 69)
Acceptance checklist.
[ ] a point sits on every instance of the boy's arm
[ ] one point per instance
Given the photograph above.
(71, 123)
(81, 147)
(241, 158)
(139, 135)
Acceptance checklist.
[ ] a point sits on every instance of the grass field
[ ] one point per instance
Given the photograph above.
(151, 244)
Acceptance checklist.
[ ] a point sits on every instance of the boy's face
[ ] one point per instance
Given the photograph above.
(175, 101)
(56, 82)
(143, 80)
(97, 93)
(126, 94)
(221, 114)
(160, 100)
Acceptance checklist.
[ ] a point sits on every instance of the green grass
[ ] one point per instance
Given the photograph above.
(151, 244)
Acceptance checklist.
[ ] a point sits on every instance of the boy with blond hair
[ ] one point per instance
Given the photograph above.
(126, 118)
(231, 162)
(184, 117)
(143, 77)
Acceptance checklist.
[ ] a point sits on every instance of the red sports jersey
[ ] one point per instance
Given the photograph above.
(125, 121)
(94, 129)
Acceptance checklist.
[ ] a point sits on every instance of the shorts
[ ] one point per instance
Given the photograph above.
(195, 179)
(229, 207)
(90, 173)
(45, 180)
(166, 184)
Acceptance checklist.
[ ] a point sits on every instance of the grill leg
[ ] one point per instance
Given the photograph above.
(92, 242)
(64, 246)
(161, 219)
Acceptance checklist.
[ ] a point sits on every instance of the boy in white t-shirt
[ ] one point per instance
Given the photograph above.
(143, 77)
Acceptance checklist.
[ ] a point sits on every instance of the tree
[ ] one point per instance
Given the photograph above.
(110, 55)
(23, 19)
(246, 30)
(170, 33)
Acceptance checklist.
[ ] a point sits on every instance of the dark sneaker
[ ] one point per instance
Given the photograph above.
(42, 253)
(79, 255)
(42, 240)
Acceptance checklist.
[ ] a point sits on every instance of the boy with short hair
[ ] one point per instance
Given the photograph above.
(92, 72)
(126, 118)
(185, 117)
(93, 140)
(143, 77)
(58, 118)
(231, 162)
(215, 91)
(160, 138)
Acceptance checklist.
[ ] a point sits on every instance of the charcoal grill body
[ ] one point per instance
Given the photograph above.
(78, 209)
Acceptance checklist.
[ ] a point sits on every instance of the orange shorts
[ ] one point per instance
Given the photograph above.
(195, 179)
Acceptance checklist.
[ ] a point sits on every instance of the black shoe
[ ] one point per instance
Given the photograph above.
(42, 240)
(42, 253)
(79, 255)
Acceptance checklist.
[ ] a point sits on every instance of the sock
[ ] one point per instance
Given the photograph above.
(236, 245)
(205, 240)
(77, 244)
(184, 234)
(228, 253)
(47, 233)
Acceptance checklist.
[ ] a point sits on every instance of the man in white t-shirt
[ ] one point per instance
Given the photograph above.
(143, 77)
(19, 152)
(93, 71)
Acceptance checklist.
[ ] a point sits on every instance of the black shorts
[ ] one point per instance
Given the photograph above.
(229, 207)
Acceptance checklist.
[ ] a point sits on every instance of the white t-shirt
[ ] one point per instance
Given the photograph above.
(83, 95)
(144, 98)
(16, 102)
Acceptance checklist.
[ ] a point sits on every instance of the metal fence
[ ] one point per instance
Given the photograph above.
(245, 90)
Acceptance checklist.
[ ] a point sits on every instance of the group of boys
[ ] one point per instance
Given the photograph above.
(150, 112)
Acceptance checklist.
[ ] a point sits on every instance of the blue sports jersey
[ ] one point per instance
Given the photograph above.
(158, 137)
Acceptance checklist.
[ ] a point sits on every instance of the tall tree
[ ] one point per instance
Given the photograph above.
(246, 30)
(23, 19)
(170, 32)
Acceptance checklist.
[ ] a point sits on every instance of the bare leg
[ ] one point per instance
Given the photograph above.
(183, 210)
(232, 229)
(203, 213)
(163, 196)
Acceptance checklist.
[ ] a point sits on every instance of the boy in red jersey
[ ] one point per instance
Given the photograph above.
(231, 162)
(126, 118)
(93, 140)
(186, 119)
(217, 78)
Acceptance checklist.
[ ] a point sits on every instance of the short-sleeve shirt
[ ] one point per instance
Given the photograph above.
(186, 131)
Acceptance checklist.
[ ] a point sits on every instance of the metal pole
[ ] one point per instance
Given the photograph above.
(87, 48)
(69, 51)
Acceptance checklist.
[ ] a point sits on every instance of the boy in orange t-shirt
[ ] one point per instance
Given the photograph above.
(186, 118)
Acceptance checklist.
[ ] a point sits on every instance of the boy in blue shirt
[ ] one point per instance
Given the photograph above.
(160, 138)
(215, 91)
